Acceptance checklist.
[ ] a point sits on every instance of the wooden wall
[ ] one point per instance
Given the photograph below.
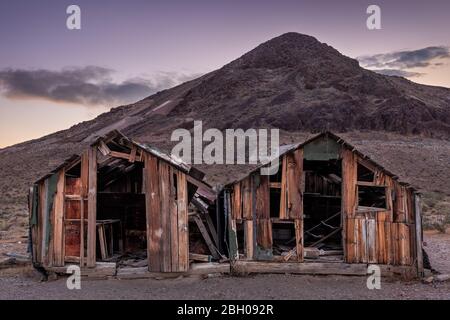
(250, 204)
(167, 216)
(60, 205)
(384, 236)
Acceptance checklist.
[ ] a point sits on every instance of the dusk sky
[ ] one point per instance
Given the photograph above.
(127, 50)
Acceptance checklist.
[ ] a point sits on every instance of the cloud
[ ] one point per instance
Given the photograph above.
(89, 86)
(398, 62)
(399, 73)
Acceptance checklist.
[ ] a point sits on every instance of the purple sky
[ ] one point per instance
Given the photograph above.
(155, 44)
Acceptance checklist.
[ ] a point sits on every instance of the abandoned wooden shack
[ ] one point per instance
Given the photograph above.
(126, 209)
(328, 209)
(122, 205)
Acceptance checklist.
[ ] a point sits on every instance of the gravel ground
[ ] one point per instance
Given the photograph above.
(27, 286)
(255, 287)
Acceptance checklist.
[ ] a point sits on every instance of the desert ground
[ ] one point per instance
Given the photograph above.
(424, 162)
(25, 283)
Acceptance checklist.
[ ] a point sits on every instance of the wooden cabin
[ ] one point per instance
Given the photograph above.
(118, 199)
(328, 209)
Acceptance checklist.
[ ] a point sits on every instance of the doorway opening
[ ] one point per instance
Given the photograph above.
(322, 209)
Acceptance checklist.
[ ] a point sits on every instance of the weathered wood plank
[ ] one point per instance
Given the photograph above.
(236, 199)
(183, 228)
(84, 176)
(283, 193)
(349, 188)
(380, 243)
(418, 233)
(371, 241)
(249, 242)
(58, 226)
(294, 173)
(247, 198)
(399, 203)
(173, 220)
(299, 239)
(204, 232)
(92, 208)
(153, 210)
(388, 242)
(394, 244)
(350, 241)
(264, 234)
(404, 245)
(300, 268)
(263, 198)
(82, 227)
(164, 184)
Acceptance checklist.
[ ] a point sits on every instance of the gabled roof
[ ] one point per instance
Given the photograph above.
(284, 149)
(116, 135)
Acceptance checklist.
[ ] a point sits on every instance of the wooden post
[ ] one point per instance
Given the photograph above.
(283, 195)
(249, 239)
(92, 208)
(418, 224)
(299, 238)
(294, 174)
(164, 184)
(43, 222)
(349, 203)
(84, 177)
(173, 217)
(183, 227)
(58, 237)
(153, 211)
(82, 255)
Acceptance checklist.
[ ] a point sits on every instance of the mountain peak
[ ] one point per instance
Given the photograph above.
(288, 50)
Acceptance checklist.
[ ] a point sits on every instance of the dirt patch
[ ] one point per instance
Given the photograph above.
(252, 287)
(438, 250)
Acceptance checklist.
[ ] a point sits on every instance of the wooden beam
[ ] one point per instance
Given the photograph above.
(418, 237)
(120, 155)
(236, 202)
(294, 174)
(201, 227)
(247, 198)
(153, 212)
(82, 198)
(164, 184)
(299, 239)
(82, 254)
(262, 197)
(133, 154)
(300, 268)
(212, 229)
(249, 239)
(92, 208)
(103, 148)
(183, 224)
(200, 257)
(173, 217)
(370, 184)
(283, 195)
(84, 176)
(349, 202)
(58, 233)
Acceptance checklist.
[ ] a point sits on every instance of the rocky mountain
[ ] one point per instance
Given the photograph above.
(292, 82)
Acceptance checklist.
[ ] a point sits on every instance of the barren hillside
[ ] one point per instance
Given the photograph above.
(292, 82)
